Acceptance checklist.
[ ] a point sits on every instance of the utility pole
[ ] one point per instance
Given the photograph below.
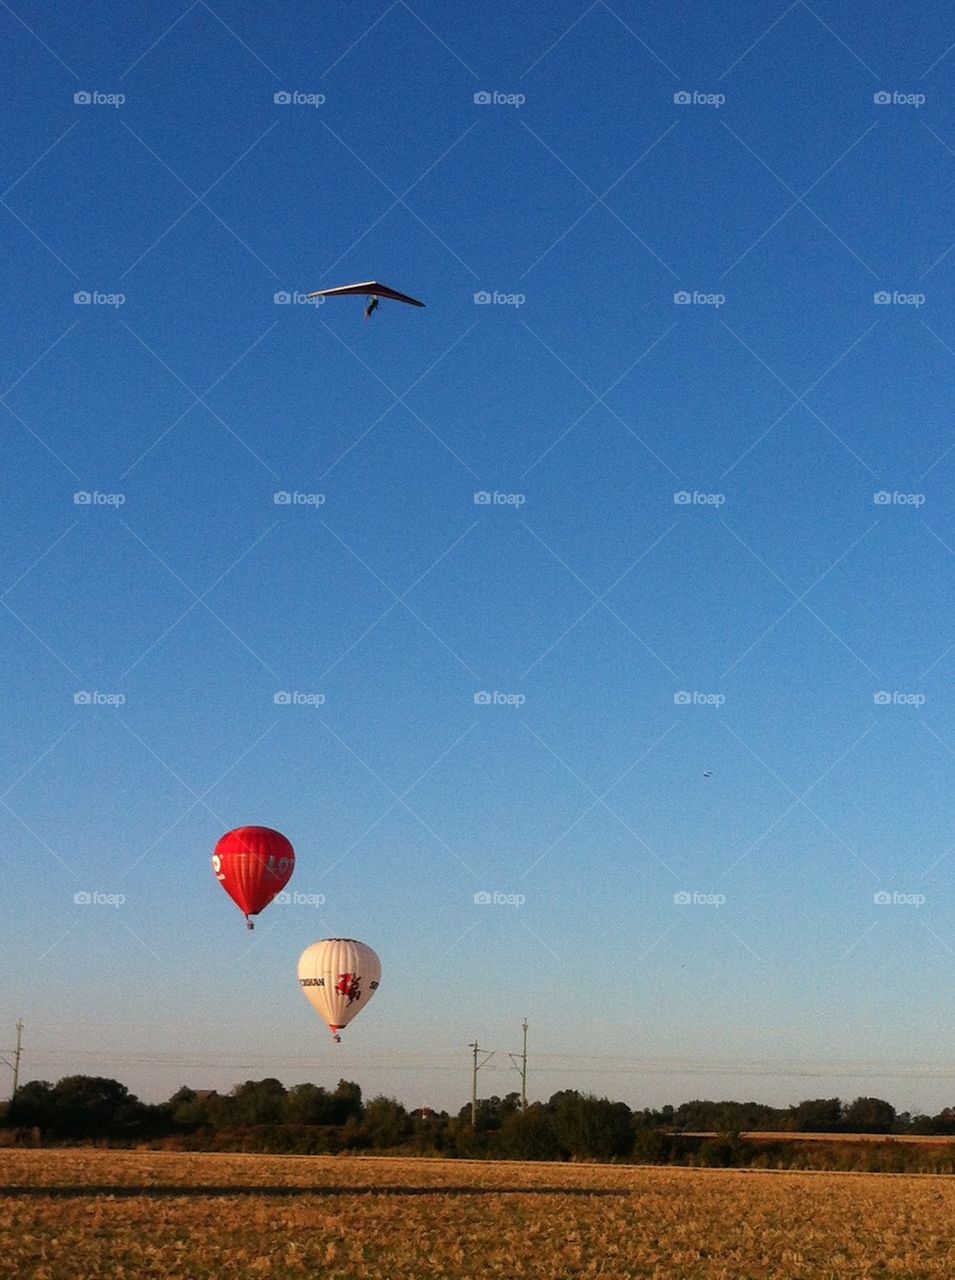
(488, 1055)
(15, 1064)
(519, 1060)
(524, 1069)
(474, 1072)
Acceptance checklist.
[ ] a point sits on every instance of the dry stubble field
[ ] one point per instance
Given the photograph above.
(82, 1215)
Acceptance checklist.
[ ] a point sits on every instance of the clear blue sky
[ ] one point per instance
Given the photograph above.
(782, 598)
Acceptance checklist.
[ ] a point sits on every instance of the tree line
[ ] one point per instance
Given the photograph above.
(264, 1115)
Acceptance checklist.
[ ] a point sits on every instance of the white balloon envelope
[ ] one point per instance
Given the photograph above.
(338, 977)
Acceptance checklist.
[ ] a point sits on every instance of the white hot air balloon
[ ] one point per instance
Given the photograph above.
(338, 977)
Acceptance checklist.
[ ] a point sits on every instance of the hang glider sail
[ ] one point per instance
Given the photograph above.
(372, 290)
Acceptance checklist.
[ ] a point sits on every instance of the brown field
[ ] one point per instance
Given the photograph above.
(82, 1215)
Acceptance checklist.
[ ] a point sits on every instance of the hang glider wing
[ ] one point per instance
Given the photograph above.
(370, 289)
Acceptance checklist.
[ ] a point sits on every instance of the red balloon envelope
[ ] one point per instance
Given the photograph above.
(253, 864)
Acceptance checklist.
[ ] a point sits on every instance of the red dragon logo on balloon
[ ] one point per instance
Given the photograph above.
(349, 984)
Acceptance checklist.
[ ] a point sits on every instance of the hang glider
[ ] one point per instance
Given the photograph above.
(370, 289)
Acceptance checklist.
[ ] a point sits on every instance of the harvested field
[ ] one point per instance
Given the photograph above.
(67, 1215)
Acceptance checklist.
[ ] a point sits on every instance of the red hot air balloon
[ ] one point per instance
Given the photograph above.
(253, 864)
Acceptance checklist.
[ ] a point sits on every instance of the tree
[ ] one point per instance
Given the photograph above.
(347, 1101)
(93, 1107)
(386, 1123)
(34, 1106)
(697, 1116)
(192, 1109)
(491, 1111)
(258, 1102)
(529, 1135)
(309, 1104)
(589, 1127)
(869, 1115)
(922, 1124)
(723, 1117)
(724, 1151)
(650, 1146)
(818, 1115)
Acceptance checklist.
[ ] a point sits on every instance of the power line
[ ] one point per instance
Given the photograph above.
(450, 1063)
